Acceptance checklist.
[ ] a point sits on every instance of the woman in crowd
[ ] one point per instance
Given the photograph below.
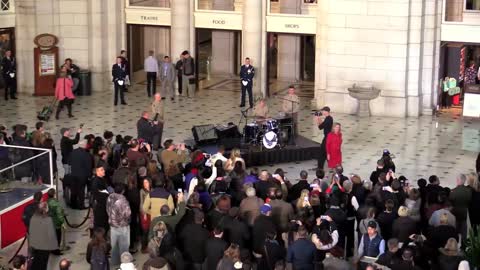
(144, 217)
(97, 251)
(41, 237)
(334, 146)
(234, 157)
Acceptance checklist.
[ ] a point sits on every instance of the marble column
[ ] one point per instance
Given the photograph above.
(289, 47)
(25, 31)
(414, 74)
(180, 37)
(321, 55)
(252, 38)
(223, 47)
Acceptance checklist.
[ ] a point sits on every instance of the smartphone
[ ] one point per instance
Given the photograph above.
(323, 217)
(313, 185)
(275, 175)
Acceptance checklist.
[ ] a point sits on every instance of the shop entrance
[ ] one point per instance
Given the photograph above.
(290, 60)
(459, 89)
(218, 56)
(141, 40)
(7, 42)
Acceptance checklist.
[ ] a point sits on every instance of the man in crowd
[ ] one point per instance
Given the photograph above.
(151, 68)
(188, 74)
(296, 190)
(157, 198)
(158, 116)
(38, 135)
(167, 78)
(247, 72)
(136, 158)
(119, 214)
(166, 215)
(371, 244)
(172, 155)
(82, 164)
(148, 130)
(179, 69)
(19, 262)
(30, 209)
(460, 198)
(119, 74)
(326, 124)
(9, 73)
(301, 253)
(192, 239)
(66, 147)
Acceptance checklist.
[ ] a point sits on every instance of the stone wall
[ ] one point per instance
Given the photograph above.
(86, 33)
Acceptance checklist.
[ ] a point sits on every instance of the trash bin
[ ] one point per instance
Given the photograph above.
(85, 83)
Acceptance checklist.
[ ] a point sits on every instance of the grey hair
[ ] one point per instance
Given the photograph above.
(251, 192)
(368, 185)
(347, 185)
(463, 178)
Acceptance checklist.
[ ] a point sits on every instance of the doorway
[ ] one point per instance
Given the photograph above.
(141, 40)
(7, 42)
(290, 60)
(218, 56)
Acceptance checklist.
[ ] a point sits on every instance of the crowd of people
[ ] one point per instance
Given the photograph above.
(190, 210)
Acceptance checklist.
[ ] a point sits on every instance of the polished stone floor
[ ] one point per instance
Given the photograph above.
(445, 144)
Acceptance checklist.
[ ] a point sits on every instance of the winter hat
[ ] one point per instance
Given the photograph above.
(372, 224)
(403, 211)
(264, 209)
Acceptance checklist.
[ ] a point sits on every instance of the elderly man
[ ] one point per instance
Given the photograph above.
(148, 130)
(167, 78)
(250, 206)
(81, 161)
(460, 198)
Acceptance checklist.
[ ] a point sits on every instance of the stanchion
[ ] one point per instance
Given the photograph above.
(18, 250)
(81, 224)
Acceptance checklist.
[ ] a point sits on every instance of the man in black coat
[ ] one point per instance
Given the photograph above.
(296, 190)
(66, 147)
(147, 129)
(214, 248)
(235, 231)
(119, 75)
(99, 199)
(192, 240)
(82, 163)
(19, 138)
(326, 124)
(391, 257)
(9, 70)
(262, 226)
(247, 72)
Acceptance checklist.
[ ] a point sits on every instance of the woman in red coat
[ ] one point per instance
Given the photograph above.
(334, 146)
(63, 93)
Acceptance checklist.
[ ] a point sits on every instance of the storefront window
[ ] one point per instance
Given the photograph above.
(473, 4)
(5, 5)
(304, 7)
(150, 3)
(224, 5)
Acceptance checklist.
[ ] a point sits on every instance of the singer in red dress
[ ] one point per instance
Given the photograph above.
(334, 146)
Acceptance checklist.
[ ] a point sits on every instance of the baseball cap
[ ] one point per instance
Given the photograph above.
(265, 208)
(326, 108)
(372, 224)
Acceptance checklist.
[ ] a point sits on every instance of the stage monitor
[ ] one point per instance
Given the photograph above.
(204, 134)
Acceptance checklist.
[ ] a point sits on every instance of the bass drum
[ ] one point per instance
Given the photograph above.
(270, 140)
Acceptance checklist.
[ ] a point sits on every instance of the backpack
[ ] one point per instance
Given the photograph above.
(98, 260)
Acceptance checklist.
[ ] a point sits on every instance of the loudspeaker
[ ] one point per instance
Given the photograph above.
(204, 134)
(227, 132)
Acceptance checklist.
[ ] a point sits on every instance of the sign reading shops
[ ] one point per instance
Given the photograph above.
(292, 26)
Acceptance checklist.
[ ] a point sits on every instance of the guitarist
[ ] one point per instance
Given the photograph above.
(158, 113)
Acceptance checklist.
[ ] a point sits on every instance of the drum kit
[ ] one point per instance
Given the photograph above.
(268, 132)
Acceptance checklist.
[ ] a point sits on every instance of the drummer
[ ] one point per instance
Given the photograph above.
(261, 111)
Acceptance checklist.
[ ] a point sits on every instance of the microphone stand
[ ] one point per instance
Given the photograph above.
(293, 120)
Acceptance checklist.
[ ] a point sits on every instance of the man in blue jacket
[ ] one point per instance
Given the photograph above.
(247, 72)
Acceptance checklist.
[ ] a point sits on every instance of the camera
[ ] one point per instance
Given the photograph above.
(318, 113)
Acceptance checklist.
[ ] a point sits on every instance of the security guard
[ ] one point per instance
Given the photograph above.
(9, 70)
(247, 72)
(119, 75)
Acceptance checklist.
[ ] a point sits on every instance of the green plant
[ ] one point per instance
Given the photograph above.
(472, 250)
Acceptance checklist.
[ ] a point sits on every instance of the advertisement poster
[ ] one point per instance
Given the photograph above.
(47, 64)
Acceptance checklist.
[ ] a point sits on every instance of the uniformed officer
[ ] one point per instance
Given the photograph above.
(119, 75)
(247, 72)
(9, 70)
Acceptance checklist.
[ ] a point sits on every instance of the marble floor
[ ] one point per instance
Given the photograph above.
(444, 144)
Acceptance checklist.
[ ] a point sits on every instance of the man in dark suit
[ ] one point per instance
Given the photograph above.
(148, 130)
(247, 72)
(214, 248)
(9, 70)
(82, 163)
(119, 75)
(179, 68)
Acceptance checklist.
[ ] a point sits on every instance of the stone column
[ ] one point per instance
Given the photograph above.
(321, 55)
(223, 47)
(414, 34)
(252, 38)
(180, 30)
(96, 61)
(288, 64)
(25, 31)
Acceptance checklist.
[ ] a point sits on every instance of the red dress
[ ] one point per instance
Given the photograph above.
(334, 149)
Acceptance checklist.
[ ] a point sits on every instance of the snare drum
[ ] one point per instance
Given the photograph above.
(251, 132)
(271, 125)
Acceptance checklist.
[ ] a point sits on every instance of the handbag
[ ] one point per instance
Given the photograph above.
(66, 101)
(145, 221)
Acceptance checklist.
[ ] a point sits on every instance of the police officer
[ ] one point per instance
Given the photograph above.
(119, 75)
(9, 70)
(247, 72)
